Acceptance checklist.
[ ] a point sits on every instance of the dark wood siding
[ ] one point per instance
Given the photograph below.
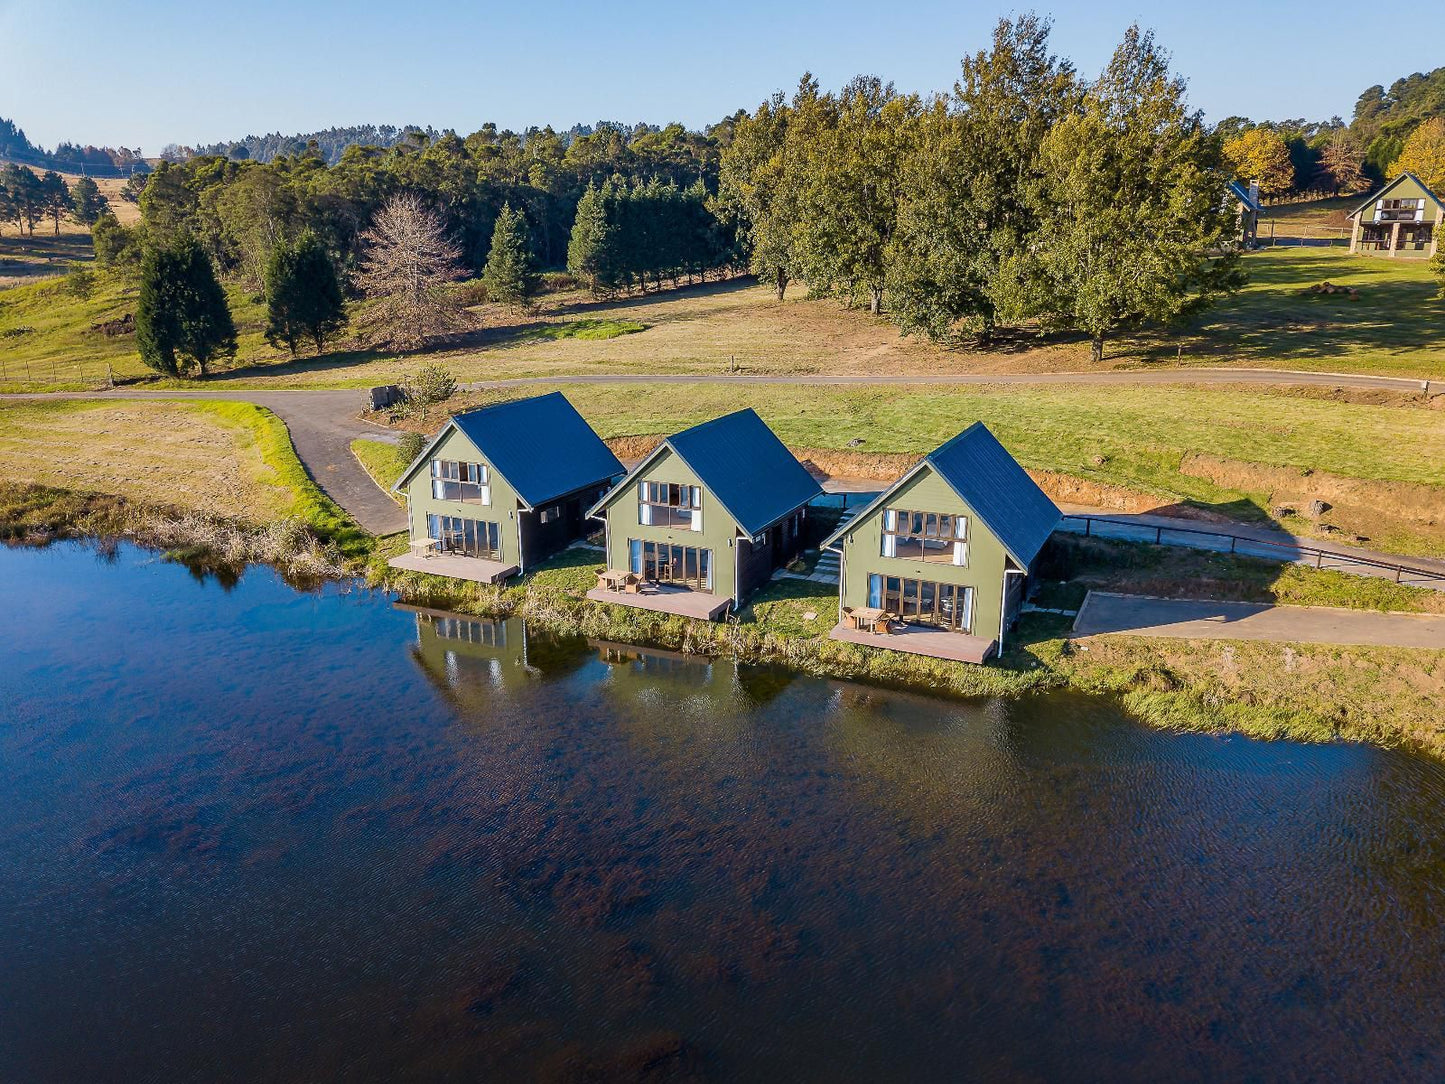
(541, 540)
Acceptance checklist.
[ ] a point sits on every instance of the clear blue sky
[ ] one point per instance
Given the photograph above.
(150, 72)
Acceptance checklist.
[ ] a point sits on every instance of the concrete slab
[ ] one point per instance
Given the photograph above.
(1105, 613)
(920, 640)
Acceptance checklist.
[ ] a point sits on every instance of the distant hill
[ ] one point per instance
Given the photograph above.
(68, 157)
(331, 144)
(1385, 118)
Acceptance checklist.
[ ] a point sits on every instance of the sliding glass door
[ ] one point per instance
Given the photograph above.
(945, 605)
(469, 537)
(686, 566)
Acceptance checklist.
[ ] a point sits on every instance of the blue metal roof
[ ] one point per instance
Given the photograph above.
(999, 491)
(1242, 194)
(746, 467)
(541, 446)
(989, 480)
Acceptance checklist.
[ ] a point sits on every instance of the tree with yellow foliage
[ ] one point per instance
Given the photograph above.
(1261, 155)
(1424, 155)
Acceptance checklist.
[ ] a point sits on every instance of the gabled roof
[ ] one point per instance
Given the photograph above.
(1406, 176)
(541, 446)
(743, 464)
(990, 481)
(1242, 194)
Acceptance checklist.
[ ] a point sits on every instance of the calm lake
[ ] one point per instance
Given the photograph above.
(262, 834)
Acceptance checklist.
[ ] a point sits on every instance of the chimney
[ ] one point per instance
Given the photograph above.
(1254, 193)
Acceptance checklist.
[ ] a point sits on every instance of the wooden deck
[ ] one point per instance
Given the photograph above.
(666, 600)
(476, 569)
(920, 640)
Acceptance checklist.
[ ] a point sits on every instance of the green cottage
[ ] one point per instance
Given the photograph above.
(704, 520)
(938, 563)
(503, 487)
(1402, 219)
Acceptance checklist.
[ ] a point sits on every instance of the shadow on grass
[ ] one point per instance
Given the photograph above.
(1277, 319)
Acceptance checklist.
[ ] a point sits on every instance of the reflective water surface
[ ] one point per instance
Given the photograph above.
(257, 834)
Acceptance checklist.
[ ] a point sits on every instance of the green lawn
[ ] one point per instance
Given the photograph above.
(383, 461)
(1396, 327)
(1142, 439)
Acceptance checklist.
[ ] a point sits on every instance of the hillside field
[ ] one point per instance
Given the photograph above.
(1397, 327)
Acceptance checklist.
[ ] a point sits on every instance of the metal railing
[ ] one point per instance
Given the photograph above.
(1224, 542)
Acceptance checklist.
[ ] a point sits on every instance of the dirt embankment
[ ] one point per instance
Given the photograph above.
(1362, 507)
(887, 467)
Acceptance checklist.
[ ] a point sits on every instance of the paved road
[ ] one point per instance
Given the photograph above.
(1125, 377)
(1104, 613)
(1254, 541)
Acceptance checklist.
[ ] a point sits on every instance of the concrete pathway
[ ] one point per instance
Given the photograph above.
(1104, 613)
(1270, 543)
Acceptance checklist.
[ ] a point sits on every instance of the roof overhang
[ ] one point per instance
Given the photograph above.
(927, 461)
(1406, 176)
(607, 498)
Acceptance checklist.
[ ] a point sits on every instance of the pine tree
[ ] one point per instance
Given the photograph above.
(591, 249)
(303, 294)
(86, 202)
(54, 198)
(510, 276)
(181, 314)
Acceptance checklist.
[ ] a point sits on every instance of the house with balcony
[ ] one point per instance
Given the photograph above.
(503, 487)
(939, 563)
(1402, 219)
(704, 520)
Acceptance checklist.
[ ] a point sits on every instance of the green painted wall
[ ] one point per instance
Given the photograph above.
(926, 492)
(502, 510)
(718, 528)
(1406, 189)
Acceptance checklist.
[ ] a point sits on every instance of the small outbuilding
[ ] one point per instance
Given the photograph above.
(1246, 201)
(938, 564)
(1402, 219)
(502, 487)
(705, 519)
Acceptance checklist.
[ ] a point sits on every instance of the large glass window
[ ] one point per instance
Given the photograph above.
(946, 605)
(464, 482)
(1398, 210)
(667, 504)
(687, 566)
(469, 537)
(935, 537)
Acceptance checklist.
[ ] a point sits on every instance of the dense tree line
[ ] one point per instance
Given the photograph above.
(238, 209)
(1027, 196)
(1391, 130)
(635, 235)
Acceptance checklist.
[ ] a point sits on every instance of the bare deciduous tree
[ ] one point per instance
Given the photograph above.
(408, 260)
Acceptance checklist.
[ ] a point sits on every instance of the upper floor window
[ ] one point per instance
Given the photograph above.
(1399, 210)
(935, 537)
(550, 514)
(464, 482)
(667, 504)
